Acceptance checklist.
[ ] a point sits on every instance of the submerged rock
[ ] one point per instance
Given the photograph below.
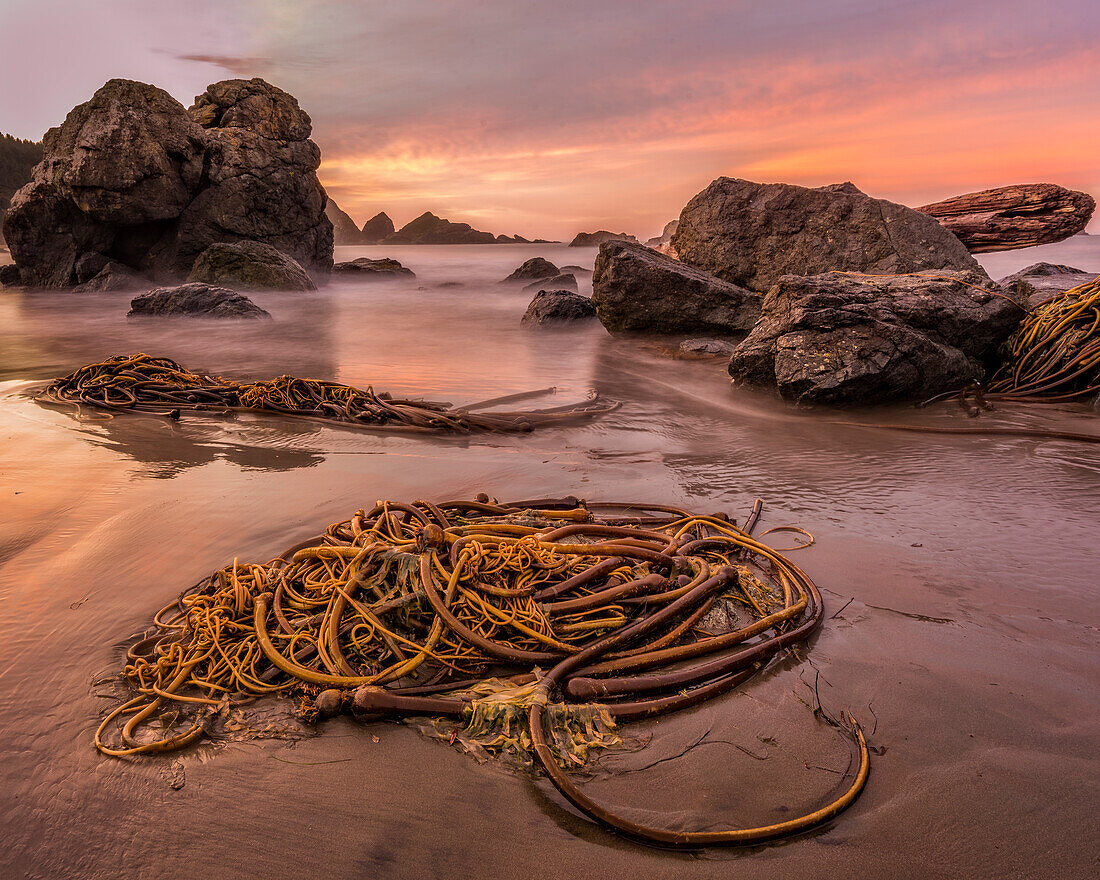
(751, 234)
(558, 307)
(1042, 281)
(132, 177)
(1011, 217)
(637, 289)
(249, 265)
(839, 339)
(708, 347)
(532, 270)
(429, 229)
(382, 269)
(557, 282)
(196, 299)
(595, 239)
(377, 228)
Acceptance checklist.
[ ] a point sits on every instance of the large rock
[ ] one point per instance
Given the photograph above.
(663, 242)
(751, 234)
(595, 239)
(637, 289)
(344, 230)
(838, 338)
(533, 270)
(249, 265)
(1011, 217)
(377, 228)
(382, 269)
(429, 229)
(9, 275)
(196, 300)
(558, 307)
(565, 281)
(1042, 281)
(113, 277)
(132, 177)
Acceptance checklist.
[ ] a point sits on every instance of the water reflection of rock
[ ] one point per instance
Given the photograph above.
(169, 448)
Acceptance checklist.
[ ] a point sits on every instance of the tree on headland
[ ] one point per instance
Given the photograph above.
(17, 160)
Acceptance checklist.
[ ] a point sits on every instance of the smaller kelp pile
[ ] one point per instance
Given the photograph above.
(534, 629)
(1055, 353)
(140, 383)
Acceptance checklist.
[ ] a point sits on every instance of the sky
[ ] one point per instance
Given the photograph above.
(547, 118)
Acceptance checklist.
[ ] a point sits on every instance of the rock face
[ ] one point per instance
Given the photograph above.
(751, 234)
(837, 338)
(381, 270)
(429, 229)
(532, 270)
(637, 289)
(558, 307)
(132, 177)
(1011, 217)
(198, 300)
(1042, 281)
(595, 239)
(376, 229)
(249, 265)
(557, 282)
(344, 230)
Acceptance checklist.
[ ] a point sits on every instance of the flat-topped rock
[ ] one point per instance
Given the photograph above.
(382, 269)
(558, 307)
(1010, 217)
(637, 289)
(249, 265)
(195, 300)
(838, 338)
(595, 239)
(752, 234)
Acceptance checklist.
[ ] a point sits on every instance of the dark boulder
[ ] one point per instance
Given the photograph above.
(1011, 217)
(9, 275)
(844, 339)
(377, 228)
(196, 300)
(249, 265)
(116, 277)
(133, 177)
(429, 229)
(595, 239)
(557, 282)
(532, 270)
(1042, 281)
(344, 230)
(751, 234)
(383, 269)
(637, 289)
(558, 307)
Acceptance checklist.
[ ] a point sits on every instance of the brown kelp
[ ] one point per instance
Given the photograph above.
(536, 626)
(140, 383)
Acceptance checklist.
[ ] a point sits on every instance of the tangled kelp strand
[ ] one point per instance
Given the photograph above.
(533, 628)
(140, 383)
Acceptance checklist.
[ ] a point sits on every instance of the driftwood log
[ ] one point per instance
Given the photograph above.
(1011, 217)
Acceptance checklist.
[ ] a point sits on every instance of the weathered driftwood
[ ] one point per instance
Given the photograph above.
(1011, 217)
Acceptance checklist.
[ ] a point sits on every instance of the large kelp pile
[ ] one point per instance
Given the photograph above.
(536, 627)
(140, 383)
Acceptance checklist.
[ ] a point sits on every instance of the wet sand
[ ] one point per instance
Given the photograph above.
(970, 635)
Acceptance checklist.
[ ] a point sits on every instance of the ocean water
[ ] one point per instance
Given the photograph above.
(961, 572)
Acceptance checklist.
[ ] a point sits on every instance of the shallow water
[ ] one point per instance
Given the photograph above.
(970, 635)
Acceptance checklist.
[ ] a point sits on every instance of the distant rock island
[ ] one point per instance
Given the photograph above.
(425, 229)
(595, 239)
